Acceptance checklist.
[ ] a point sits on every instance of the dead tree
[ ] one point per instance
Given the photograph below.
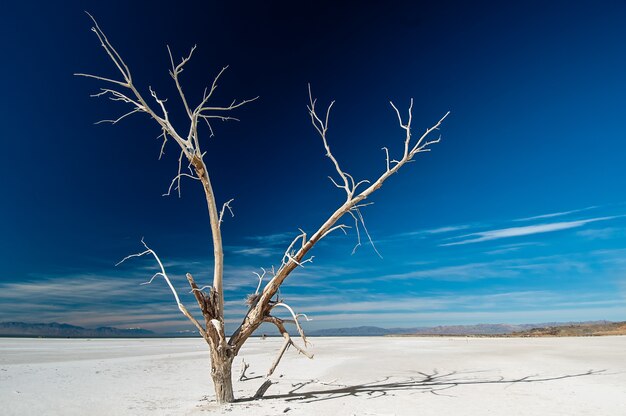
(191, 164)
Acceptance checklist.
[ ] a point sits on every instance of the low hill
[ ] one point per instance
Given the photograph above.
(57, 330)
(578, 330)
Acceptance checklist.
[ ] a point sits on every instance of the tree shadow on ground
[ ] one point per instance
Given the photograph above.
(433, 383)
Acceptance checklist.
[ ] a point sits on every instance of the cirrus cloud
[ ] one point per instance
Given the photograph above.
(523, 231)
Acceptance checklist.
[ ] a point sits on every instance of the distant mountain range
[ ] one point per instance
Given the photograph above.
(580, 330)
(479, 329)
(56, 330)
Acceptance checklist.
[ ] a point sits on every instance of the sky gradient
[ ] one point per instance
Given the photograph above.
(518, 215)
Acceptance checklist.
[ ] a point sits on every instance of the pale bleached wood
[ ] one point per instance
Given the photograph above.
(265, 298)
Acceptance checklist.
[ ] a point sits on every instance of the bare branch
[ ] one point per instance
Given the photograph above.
(181, 307)
(206, 120)
(143, 253)
(224, 207)
(398, 114)
(176, 70)
(206, 117)
(288, 341)
(418, 147)
(180, 168)
(302, 350)
(288, 253)
(300, 263)
(151, 279)
(232, 106)
(294, 258)
(336, 184)
(244, 367)
(160, 102)
(322, 127)
(386, 157)
(261, 277)
(262, 389)
(349, 184)
(358, 233)
(164, 135)
(360, 217)
(180, 175)
(364, 181)
(205, 96)
(119, 118)
(118, 96)
(139, 102)
(177, 178)
(341, 227)
(295, 320)
(200, 289)
(281, 352)
(120, 83)
(110, 50)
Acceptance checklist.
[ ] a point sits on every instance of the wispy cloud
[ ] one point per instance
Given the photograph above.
(431, 231)
(252, 251)
(263, 245)
(273, 239)
(459, 273)
(446, 308)
(509, 248)
(599, 233)
(339, 304)
(87, 300)
(523, 231)
(555, 214)
(110, 299)
(448, 229)
(504, 307)
(95, 300)
(431, 318)
(571, 265)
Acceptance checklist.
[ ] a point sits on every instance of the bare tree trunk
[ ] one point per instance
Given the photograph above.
(221, 373)
(211, 304)
(214, 218)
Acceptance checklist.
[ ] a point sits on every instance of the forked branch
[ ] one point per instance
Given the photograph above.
(176, 70)
(226, 206)
(125, 91)
(297, 251)
(321, 125)
(288, 342)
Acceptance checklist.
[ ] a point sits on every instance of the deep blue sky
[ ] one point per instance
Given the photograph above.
(517, 216)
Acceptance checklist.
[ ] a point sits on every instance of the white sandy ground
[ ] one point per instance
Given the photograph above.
(348, 376)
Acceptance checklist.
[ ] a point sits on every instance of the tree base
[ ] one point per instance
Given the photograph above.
(221, 373)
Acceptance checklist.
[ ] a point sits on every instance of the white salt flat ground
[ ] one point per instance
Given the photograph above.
(348, 376)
